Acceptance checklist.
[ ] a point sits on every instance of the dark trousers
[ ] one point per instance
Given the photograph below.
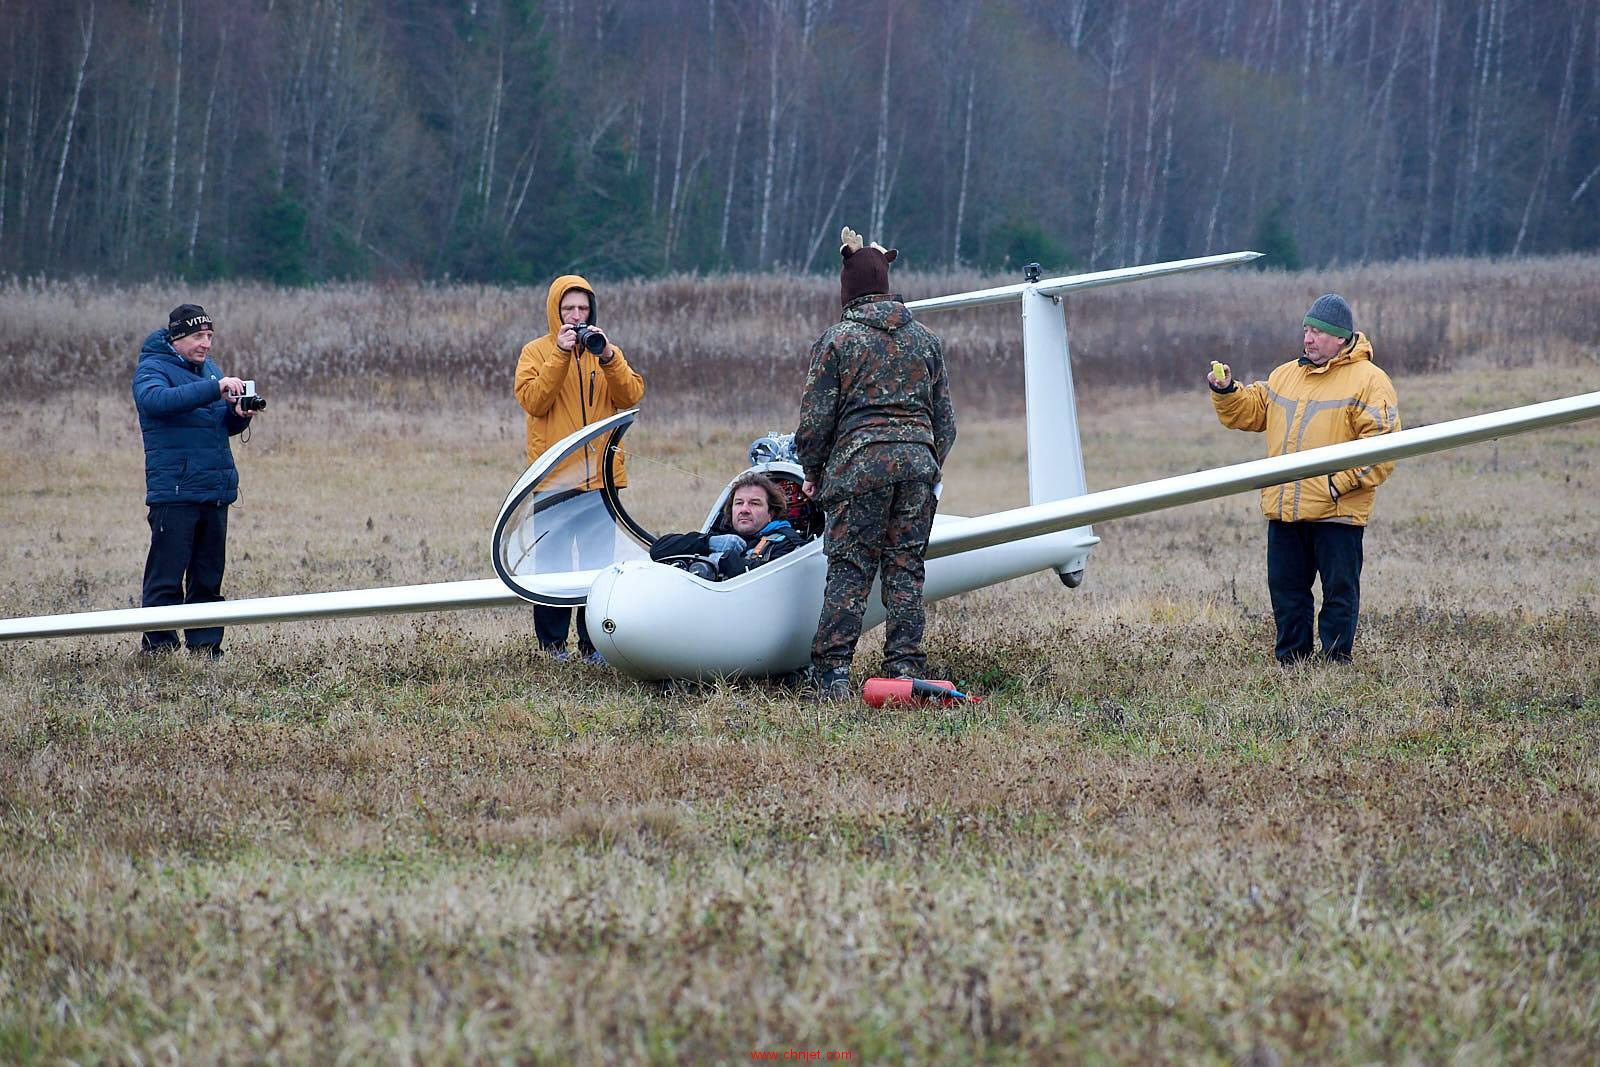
(883, 534)
(1298, 552)
(188, 551)
(550, 624)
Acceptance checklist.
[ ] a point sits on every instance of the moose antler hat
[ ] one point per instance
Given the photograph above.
(866, 267)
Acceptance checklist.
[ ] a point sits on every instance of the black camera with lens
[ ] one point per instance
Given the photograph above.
(590, 338)
(248, 401)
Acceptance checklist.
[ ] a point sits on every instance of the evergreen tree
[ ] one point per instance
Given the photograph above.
(1275, 240)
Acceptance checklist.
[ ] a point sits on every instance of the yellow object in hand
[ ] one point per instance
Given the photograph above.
(1219, 371)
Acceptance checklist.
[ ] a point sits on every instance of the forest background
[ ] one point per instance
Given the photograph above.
(296, 141)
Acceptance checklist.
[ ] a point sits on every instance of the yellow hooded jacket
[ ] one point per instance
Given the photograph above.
(1303, 406)
(562, 391)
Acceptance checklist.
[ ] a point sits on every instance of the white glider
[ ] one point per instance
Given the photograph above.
(654, 621)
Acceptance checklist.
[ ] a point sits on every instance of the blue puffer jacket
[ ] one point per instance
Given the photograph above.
(186, 426)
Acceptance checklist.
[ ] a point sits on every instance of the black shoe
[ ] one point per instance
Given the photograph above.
(832, 683)
(908, 669)
(794, 681)
(209, 651)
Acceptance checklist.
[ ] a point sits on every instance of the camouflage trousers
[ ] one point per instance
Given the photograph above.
(878, 533)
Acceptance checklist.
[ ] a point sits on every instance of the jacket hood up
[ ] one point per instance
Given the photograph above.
(558, 289)
(561, 391)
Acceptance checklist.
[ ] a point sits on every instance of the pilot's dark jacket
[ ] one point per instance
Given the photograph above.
(186, 426)
(777, 538)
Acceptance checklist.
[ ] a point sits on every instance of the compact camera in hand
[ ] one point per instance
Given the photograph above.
(590, 338)
(248, 401)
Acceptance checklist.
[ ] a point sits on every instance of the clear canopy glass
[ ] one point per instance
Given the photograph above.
(561, 524)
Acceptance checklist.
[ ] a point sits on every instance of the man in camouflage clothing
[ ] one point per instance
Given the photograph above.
(876, 423)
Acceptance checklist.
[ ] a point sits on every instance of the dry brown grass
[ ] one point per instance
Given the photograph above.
(418, 840)
(414, 346)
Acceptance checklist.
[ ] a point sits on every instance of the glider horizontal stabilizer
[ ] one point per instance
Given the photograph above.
(1073, 282)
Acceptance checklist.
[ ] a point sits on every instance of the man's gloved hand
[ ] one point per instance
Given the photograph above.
(727, 543)
(1221, 377)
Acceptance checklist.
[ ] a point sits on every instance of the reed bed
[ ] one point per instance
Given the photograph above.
(698, 338)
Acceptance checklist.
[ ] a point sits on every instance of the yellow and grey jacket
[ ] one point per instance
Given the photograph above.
(561, 391)
(1302, 406)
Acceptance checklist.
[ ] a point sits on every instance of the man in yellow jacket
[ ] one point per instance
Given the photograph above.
(567, 379)
(1332, 394)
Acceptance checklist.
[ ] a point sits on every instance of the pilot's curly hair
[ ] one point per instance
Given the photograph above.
(777, 503)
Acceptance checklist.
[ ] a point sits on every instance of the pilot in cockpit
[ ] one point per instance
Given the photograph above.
(753, 529)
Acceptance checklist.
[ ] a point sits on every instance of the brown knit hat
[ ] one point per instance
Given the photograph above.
(865, 269)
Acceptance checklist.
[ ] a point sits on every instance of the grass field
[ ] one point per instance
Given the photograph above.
(417, 840)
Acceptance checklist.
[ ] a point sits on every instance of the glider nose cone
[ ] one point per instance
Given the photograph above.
(613, 637)
(653, 621)
(644, 619)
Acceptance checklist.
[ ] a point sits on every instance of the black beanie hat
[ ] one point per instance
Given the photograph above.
(186, 319)
(1331, 314)
(865, 270)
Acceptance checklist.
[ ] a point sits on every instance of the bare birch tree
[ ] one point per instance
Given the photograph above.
(956, 228)
(205, 147)
(777, 11)
(172, 138)
(1559, 130)
(1433, 123)
(72, 121)
(880, 159)
(1114, 63)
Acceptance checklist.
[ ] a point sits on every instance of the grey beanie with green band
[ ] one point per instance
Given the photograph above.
(1331, 314)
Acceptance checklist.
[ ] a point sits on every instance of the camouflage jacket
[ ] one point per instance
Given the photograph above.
(877, 377)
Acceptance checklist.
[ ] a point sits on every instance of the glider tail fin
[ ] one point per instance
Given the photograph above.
(1055, 448)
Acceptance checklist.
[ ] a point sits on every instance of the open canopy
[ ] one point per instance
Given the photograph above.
(552, 537)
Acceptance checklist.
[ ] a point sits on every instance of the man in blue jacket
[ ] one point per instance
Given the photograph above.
(187, 412)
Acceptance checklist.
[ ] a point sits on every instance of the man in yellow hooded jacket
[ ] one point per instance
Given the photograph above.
(1332, 394)
(567, 379)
